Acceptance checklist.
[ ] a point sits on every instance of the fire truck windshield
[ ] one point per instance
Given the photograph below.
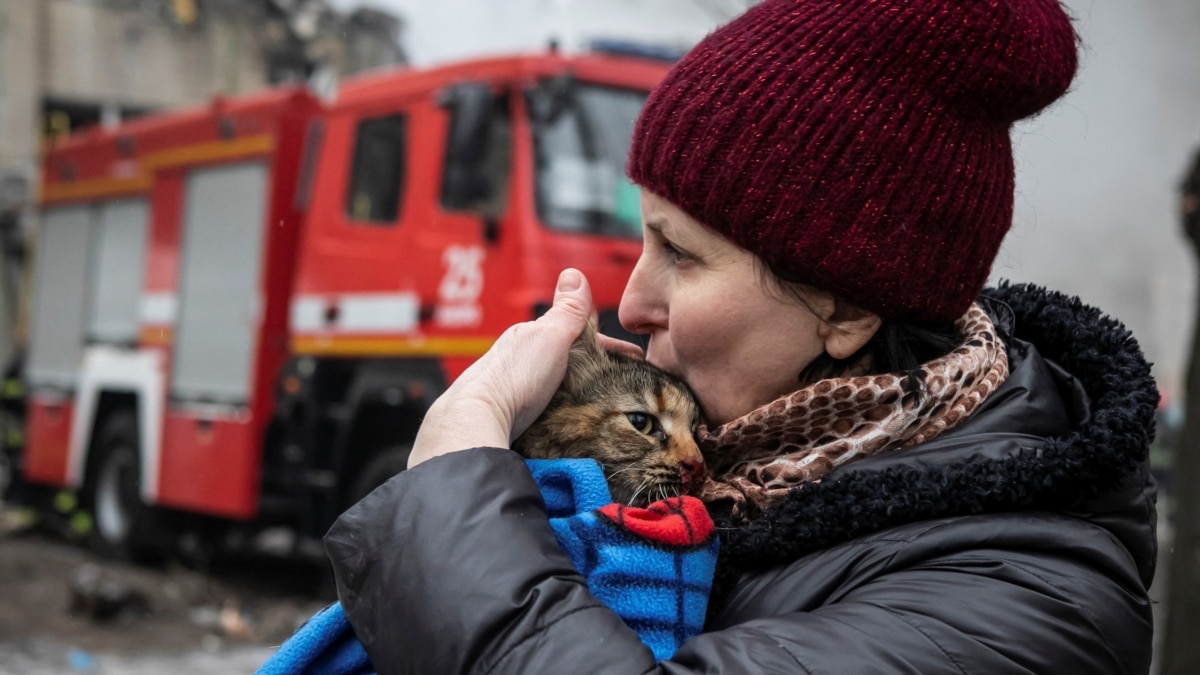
(581, 150)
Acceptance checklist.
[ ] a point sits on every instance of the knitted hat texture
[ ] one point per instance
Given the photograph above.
(860, 146)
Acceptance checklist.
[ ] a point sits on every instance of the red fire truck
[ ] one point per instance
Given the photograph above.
(240, 312)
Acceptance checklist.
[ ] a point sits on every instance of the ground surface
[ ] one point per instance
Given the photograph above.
(171, 619)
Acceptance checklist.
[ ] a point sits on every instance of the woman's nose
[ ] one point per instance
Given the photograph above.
(640, 309)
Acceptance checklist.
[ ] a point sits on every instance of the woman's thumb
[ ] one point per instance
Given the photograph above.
(573, 296)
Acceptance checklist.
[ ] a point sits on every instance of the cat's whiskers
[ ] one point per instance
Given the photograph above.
(641, 486)
(632, 466)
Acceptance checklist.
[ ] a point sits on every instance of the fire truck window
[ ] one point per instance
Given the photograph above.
(580, 154)
(479, 183)
(377, 174)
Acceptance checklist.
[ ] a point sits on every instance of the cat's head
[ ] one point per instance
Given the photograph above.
(637, 421)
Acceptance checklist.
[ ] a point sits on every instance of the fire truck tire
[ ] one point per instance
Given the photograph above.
(375, 472)
(123, 526)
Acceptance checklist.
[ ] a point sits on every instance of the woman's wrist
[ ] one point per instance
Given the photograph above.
(452, 425)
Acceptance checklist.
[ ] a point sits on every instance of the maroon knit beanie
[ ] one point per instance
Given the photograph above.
(860, 146)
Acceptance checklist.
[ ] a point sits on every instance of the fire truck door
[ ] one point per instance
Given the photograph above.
(219, 283)
(355, 293)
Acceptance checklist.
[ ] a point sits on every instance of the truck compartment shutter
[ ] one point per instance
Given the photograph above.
(60, 296)
(218, 288)
(117, 272)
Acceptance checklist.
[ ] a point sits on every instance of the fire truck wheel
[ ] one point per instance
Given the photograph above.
(123, 525)
(375, 471)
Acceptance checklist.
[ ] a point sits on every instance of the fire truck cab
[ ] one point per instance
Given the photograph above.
(241, 312)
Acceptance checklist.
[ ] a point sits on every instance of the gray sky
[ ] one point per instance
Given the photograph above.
(449, 29)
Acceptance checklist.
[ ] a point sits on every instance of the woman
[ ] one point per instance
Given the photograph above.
(908, 477)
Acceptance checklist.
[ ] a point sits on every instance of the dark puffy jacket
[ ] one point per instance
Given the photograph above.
(1021, 541)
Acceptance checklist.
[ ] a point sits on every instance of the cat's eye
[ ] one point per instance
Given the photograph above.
(642, 422)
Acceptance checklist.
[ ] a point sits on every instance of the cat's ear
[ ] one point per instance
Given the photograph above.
(585, 356)
(588, 340)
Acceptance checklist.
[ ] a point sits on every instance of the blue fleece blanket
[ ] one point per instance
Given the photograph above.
(653, 566)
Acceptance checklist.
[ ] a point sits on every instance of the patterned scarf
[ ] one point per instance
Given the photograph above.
(757, 459)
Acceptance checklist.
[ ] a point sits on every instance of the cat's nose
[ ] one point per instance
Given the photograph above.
(691, 472)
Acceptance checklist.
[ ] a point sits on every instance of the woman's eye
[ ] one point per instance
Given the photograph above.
(676, 255)
(642, 422)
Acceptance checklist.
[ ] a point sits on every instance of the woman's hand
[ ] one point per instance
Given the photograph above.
(502, 393)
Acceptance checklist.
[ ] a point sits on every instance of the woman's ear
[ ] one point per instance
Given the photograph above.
(847, 328)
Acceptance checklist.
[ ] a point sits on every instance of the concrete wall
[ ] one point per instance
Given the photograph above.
(18, 83)
(19, 119)
(96, 54)
(86, 52)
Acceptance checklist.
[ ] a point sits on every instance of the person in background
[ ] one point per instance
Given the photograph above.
(909, 474)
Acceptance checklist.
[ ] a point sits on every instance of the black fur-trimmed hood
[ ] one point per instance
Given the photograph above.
(1069, 431)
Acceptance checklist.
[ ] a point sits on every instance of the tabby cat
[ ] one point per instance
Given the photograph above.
(637, 421)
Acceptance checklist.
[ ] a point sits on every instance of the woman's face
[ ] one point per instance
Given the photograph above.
(710, 319)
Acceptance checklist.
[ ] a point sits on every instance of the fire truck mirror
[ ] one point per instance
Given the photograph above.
(470, 104)
(550, 97)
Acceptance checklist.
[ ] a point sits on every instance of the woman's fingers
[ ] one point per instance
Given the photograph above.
(502, 393)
